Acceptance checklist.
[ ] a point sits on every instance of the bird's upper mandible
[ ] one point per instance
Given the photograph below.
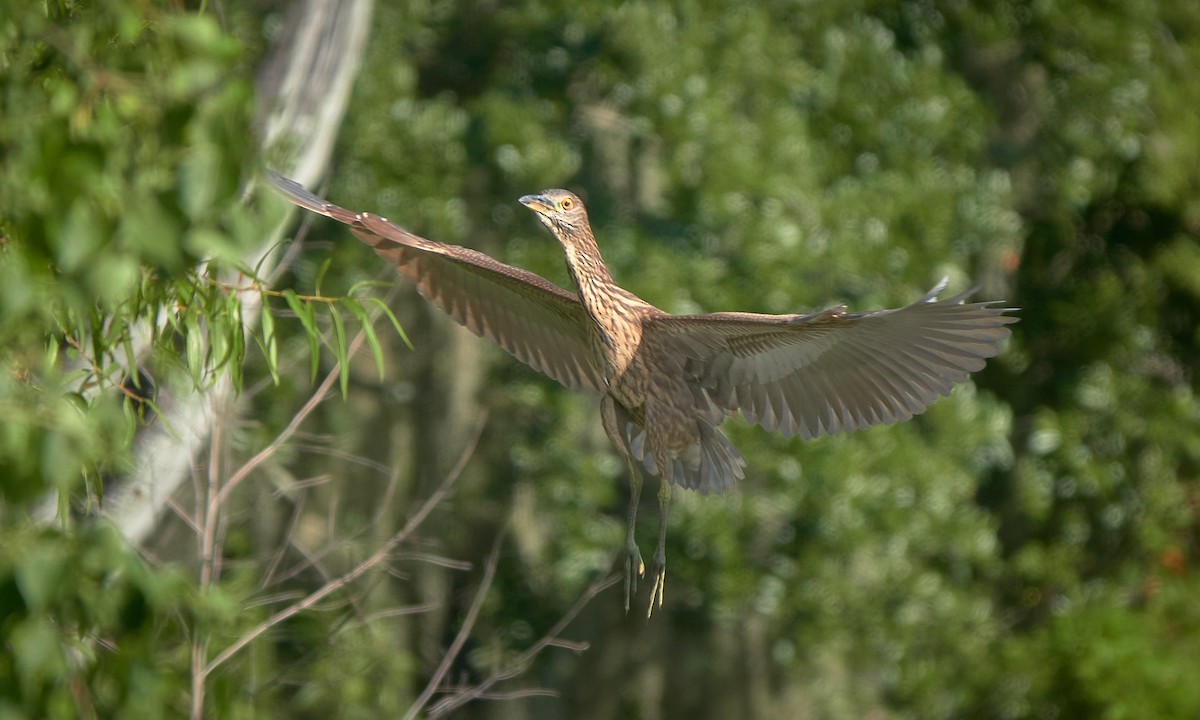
(558, 209)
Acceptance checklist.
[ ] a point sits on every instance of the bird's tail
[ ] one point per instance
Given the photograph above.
(710, 465)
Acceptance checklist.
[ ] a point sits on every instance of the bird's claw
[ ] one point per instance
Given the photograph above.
(659, 588)
(633, 559)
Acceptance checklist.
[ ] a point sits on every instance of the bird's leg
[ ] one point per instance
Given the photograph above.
(634, 567)
(658, 589)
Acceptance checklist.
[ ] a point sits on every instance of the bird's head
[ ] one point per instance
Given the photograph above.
(560, 210)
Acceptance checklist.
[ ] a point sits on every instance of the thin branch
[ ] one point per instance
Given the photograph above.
(183, 515)
(339, 454)
(385, 499)
(437, 560)
(308, 559)
(464, 632)
(397, 612)
(309, 482)
(277, 558)
(518, 694)
(275, 599)
(316, 399)
(521, 662)
(376, 558)
(575, 646)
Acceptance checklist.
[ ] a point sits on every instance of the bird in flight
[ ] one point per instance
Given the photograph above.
(667, 382)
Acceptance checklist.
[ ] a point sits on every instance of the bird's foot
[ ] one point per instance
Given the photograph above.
(634, 569)
(659, 588)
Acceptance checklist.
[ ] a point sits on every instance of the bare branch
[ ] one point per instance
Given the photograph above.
(517, 694)
(464, 632)
(398, 612)
(375, 559)
(263, 455)
(521, 662)
(437, 560)
(277, 558)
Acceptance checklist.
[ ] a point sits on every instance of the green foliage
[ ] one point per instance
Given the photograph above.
(1143, 639)
(1007, 554)
(122, 132)
(123, 129)
(88, 628)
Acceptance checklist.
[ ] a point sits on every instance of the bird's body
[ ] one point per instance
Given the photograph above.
(667, 381)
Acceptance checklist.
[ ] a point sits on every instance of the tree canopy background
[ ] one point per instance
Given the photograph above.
(1022, 550)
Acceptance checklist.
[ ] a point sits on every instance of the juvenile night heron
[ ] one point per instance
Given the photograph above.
(668, 381)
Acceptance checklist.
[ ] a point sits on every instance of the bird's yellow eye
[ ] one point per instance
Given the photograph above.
(567, 203)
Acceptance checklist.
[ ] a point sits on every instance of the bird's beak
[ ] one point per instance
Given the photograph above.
(537, 203)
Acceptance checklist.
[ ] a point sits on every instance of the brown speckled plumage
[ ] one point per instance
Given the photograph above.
(669, 381)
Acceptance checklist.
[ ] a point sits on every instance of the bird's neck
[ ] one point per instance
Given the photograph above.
(586, 266)
(608, 305)
(590, 274)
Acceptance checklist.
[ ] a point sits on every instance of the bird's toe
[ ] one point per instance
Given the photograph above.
(659, 588)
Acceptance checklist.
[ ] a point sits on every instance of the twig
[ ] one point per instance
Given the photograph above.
(398, 612)
(277, 558)
(313, 401)
(275, 599)
(337, 454)
(437, 560)
(464, 632)
(376, 558)
(308, 559)
(521, 662)
(518, 694)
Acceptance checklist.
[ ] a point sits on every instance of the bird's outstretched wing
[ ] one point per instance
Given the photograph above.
(536, 321)
(835, 371)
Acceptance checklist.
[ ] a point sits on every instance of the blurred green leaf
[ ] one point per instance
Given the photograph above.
(341, 349)
(368, 331)
(307, 317)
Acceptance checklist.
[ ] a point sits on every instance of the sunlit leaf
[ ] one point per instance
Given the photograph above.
(341, 350)
(368, 331)
(392, 317)
(306, 315)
